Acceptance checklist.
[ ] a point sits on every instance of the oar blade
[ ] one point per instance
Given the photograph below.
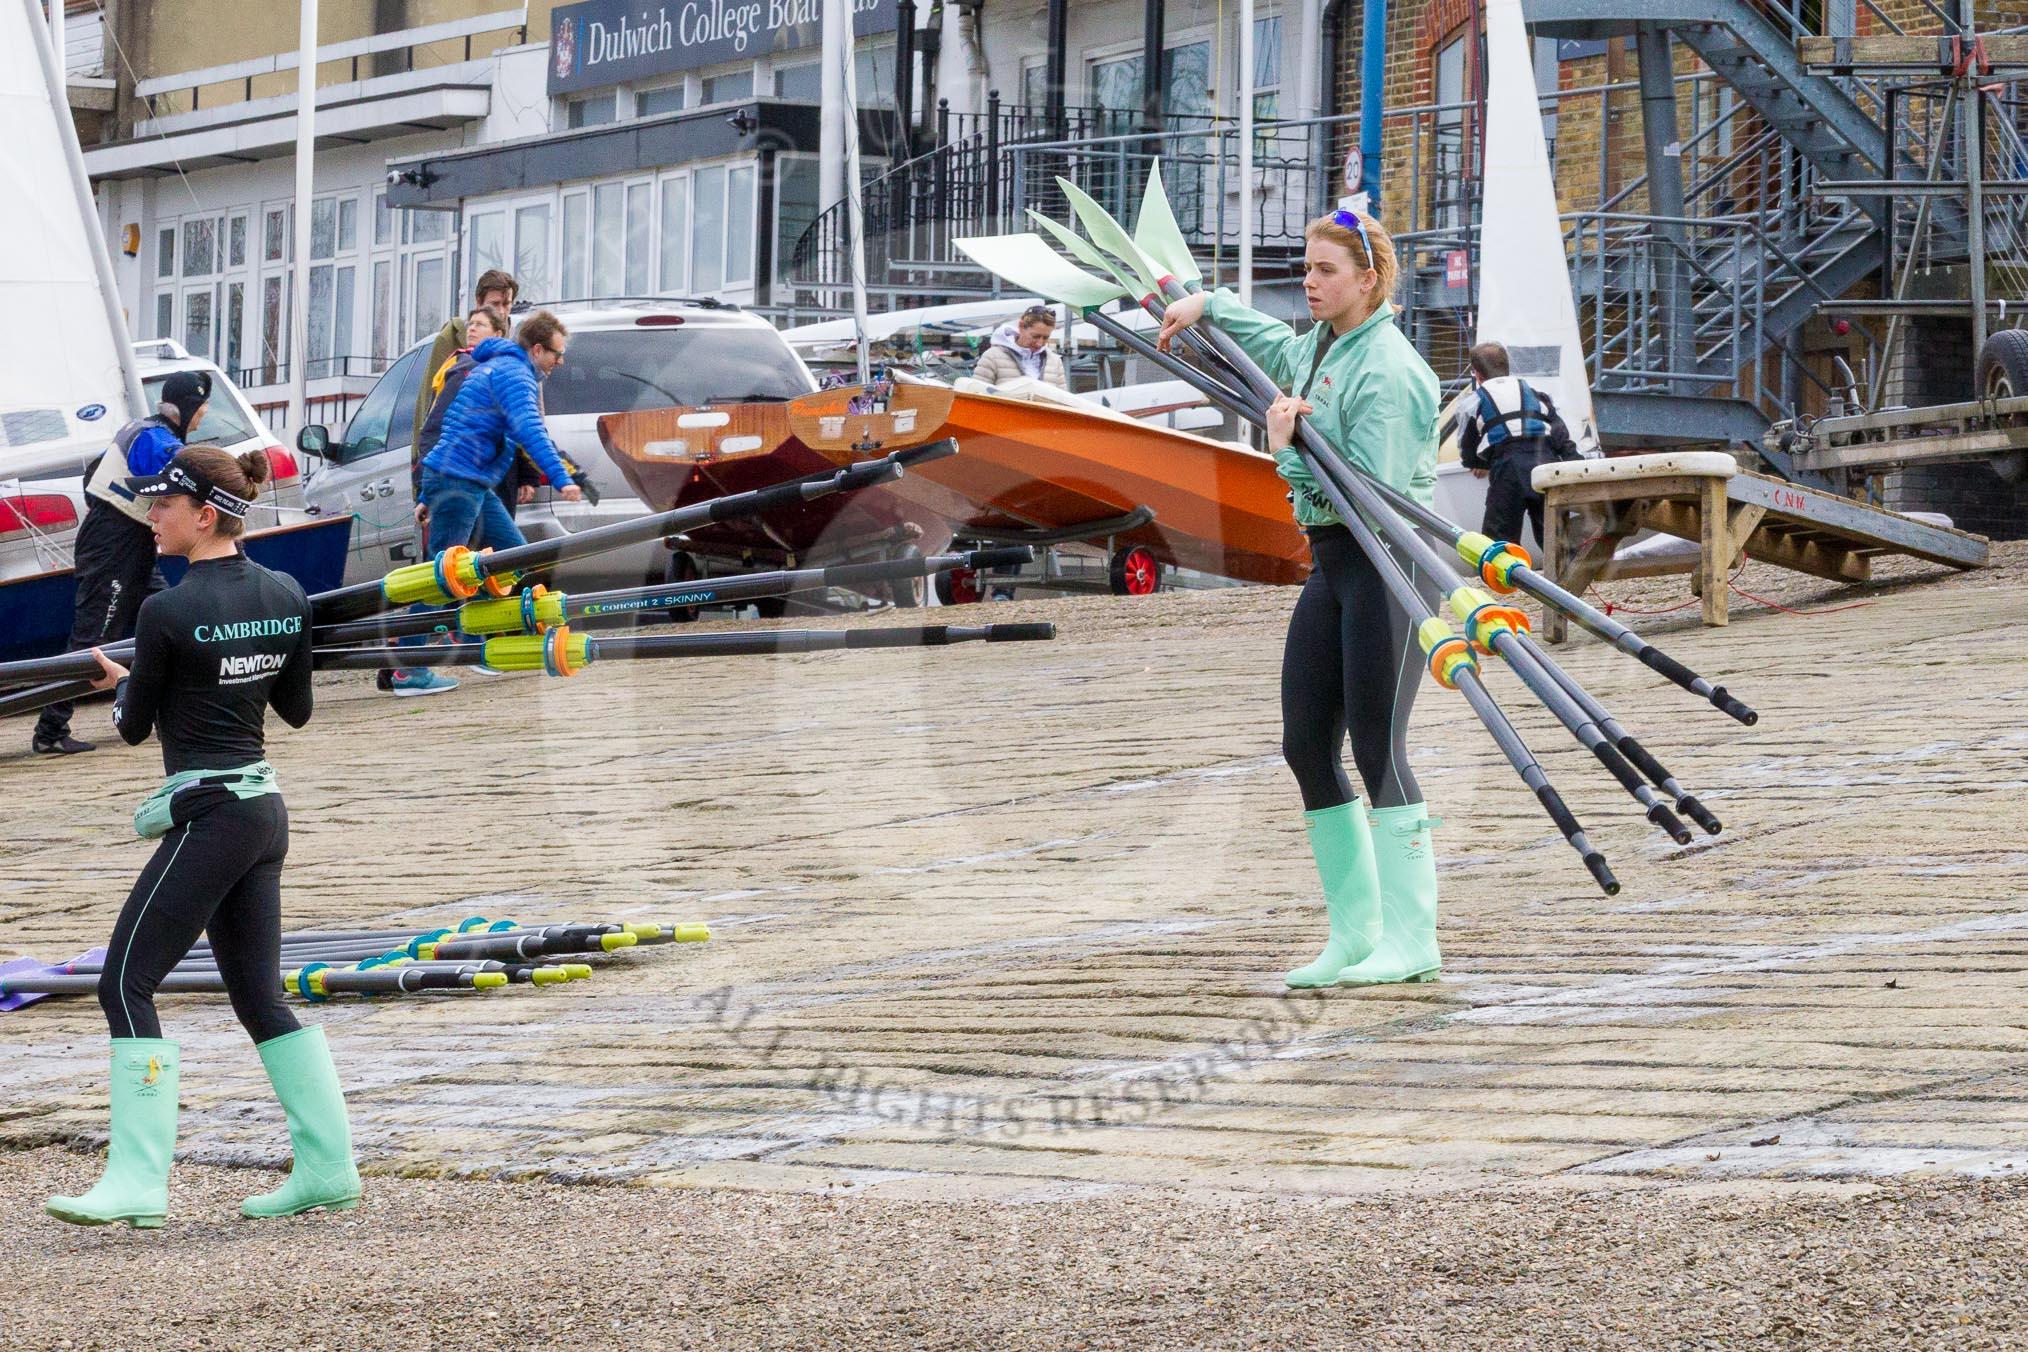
(1077, 246)
(1158, 235)
(1111, 236)
(1027, 262)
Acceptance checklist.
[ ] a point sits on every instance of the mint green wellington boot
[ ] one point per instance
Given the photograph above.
(135, 1185)
(1406, 859)
(299, 1067)
(1343, 845)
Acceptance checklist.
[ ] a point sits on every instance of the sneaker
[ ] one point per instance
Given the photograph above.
(65, 745)
(420, 681)
(483, 670)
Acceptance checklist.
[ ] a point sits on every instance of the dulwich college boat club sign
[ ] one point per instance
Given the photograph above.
(607, 42)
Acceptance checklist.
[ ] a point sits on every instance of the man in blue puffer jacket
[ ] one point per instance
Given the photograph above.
(497, 404)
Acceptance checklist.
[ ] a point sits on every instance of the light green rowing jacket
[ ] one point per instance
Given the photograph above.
(1376, 399)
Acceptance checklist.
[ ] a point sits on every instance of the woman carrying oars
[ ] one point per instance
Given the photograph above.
(211, 655)
(1351, 663)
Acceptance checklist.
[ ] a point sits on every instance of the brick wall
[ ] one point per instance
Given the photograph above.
(1934, 366)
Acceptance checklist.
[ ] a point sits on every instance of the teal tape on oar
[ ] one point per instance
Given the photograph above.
(303, 987)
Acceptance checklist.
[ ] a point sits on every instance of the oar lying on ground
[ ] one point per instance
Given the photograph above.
(538, 608)
(562, 653)
(459, 574)
(476, 955)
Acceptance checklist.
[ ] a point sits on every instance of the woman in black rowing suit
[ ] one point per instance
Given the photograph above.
(210, 655)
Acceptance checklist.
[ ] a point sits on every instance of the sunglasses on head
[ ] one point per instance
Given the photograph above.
(1350, 220)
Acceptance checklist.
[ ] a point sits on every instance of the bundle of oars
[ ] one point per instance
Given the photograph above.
(1153, 266)
(475, 955)
(473, 595)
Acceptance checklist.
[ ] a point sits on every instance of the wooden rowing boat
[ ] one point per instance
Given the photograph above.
(1028, 467)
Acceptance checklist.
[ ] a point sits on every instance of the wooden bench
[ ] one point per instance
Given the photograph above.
(1591, 506)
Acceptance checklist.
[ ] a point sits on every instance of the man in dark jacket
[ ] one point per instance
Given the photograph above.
(1512, 429)
(495, 290)
(497, 404)
(113, 554)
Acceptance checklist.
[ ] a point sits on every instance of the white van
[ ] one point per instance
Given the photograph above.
(624, 355)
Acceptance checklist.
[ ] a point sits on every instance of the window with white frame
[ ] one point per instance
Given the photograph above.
(728, 86)
(1267, 68)
(591, 111)
(200, 284)
(608, 239)
(640, 271)
(424, 274)
(334, 273)
(654, 102)
(797, 198)
(487, 233)
(531, 251)
(674, 220)
(575, 283)
(803, 82)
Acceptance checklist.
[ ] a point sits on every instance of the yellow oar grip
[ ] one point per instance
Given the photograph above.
(532, 612)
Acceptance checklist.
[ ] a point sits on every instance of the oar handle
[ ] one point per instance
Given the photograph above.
(1552, 803)
(1007, 556)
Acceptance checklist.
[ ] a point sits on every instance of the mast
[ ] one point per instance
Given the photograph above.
(306, 156)
(855, 205)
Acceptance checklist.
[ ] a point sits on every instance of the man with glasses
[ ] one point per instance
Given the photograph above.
(498, 404)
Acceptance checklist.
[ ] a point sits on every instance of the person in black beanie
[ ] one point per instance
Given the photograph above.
(114, 551)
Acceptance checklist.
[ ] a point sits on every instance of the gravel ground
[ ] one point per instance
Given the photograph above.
(1518, 1266)
(1837, 972)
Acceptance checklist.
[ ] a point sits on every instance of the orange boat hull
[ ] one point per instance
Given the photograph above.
(1021, 466)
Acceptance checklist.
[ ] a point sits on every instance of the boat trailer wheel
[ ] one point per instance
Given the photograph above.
(681, 571)
(958, 587)
(1134, 572)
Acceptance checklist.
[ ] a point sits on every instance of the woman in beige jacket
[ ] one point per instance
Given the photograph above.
(1020, 347)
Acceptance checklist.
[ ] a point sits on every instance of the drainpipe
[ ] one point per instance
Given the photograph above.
(1245, 152)
(1153, 85)
(1372, 99)
(1057, 73)
(904, 80)
(1665, 190)
(306, 155)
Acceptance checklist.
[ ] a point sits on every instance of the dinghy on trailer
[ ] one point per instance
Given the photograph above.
(1040, 469)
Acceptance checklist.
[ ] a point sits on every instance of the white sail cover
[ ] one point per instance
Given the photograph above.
(1524, 278)
(68, 383)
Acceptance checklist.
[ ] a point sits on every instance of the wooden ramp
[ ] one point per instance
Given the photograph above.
(1704, 497)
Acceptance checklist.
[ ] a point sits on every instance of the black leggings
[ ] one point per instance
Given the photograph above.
(1350, 663)
(219, 870)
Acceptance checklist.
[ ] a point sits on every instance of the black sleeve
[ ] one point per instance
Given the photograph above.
(1468, 441)
(290, 695)
(139, 697)
(1560, 443)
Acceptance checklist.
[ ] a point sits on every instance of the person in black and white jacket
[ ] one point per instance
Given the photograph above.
(1513, 428)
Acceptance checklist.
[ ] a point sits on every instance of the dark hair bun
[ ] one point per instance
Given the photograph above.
(254, 464)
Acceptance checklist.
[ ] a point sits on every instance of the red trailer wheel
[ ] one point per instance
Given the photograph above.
(1134, 572)
(958, 587)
